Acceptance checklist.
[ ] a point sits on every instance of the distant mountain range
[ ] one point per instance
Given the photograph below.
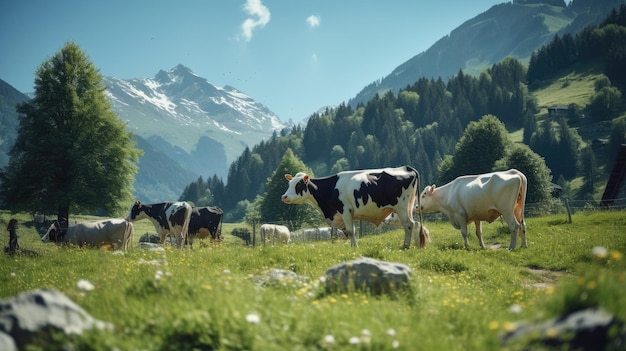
(199, 128)
(180, 112)
(512, 29)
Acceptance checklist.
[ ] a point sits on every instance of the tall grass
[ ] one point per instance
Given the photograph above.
(209, 298)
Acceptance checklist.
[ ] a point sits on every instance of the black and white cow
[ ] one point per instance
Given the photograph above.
(205, 221)
(370, 195)
(167, 217)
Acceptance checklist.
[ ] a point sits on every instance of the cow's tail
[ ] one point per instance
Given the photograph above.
(422, 231)
(128, 235)
(219, 229)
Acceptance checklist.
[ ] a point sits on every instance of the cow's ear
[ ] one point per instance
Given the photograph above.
(305, 178)
(432, 188)
(288, 176)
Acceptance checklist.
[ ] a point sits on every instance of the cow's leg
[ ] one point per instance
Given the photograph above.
(408, 223)
(349, 224)
(178, 234)
(479, 233)
(514, 227)
(463, 226)
(161, 233)
(523, 233)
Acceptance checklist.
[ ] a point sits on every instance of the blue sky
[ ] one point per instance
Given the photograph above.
(293, 56)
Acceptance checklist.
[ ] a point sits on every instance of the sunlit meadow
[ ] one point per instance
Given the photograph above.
(217, 297)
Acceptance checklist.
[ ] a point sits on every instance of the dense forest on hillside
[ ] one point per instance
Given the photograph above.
(422, 123)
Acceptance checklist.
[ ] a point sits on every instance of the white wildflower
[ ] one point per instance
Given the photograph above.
(329, 339)
(84, 285)
(600, 252)
(395, 344)
(391, 332)
(253, 318)
(515, 308)
(226, 271)
(354, 340)
(366, 336)
(158, 275)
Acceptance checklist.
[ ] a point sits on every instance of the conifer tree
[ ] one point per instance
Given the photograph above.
(72, 153)
(272, 209)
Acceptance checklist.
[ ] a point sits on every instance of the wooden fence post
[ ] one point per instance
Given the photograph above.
(253, 232)
(569, 212)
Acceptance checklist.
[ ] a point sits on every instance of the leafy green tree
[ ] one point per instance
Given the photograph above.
(605, 102)
(617, 137)
(341, 164)
(589, 168)
(481, 145)
(337, 153)
(72, 153)
(272, 209)
(537, 173)
(565, 154)
(530, 127)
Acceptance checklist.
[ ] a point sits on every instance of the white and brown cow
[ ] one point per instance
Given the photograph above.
(114, 231)
(167, 217)
(369, 195)
(274, 233)
(482, 197)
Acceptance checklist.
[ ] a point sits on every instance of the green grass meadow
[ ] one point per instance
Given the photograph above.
(208, 297)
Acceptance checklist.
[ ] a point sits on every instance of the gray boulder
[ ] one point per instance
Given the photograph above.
(587, 330)
(37, 314)
(368, 274)
(150, 238)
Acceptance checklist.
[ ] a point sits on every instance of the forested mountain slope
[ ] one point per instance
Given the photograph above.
(512, 29)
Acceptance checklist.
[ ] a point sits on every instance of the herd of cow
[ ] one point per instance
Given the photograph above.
(372, 195)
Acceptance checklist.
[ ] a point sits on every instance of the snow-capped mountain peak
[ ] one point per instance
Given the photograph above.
(181, 108)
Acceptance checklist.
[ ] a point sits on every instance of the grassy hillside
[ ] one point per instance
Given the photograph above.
(459, 299)
(575, 86)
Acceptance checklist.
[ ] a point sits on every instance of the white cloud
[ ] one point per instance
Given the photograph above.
(259, 17)
(313, 21)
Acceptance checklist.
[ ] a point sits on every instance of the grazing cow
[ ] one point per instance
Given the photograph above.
(317, 234)
(274, 233)
(483, 197)
(367, 194)
(167, 217)
(115, 231)
(205, 221)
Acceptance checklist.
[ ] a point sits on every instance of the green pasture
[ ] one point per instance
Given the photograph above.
(209, 297)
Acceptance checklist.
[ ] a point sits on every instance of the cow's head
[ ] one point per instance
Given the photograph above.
(55, 233)
(135, 210)
(297, 190)
(427, 199)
